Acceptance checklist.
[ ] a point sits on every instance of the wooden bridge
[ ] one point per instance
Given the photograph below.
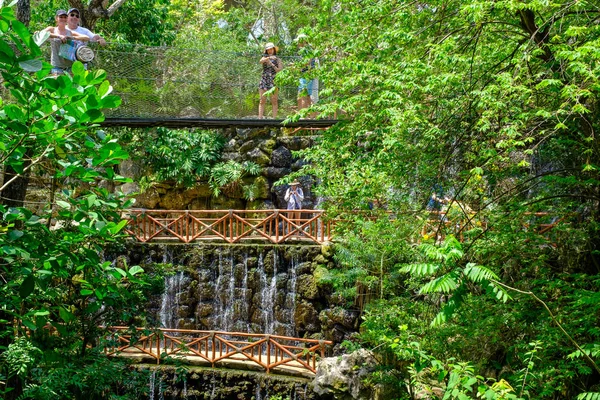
(295, 226)
(267, 353)
(231, 226)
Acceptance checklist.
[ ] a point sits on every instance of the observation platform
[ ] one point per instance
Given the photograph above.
(217, 123)
(200, 87)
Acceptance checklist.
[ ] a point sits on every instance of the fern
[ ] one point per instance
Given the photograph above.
(444, 284)
(589, 396)
(478, 273)
(227, 176)
(422, 269)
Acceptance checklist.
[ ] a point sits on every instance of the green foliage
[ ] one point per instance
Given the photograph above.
(179, 155)
(140, 21)
(449, 277)
(58, 288)
(367, 258)
(227, 177)
(189, 158)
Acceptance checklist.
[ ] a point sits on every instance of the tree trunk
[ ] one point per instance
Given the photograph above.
(24, 11)
(14, 194)
(95, 10)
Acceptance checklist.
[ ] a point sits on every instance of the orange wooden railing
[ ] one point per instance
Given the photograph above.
(268, 352)
(439, 224)
(232, 226)
(285, 226)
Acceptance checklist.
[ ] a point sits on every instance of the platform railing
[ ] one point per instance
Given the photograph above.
(231, 226)
(270, 353)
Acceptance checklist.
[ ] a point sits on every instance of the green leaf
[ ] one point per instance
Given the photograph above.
(14, 235)
(32, 65)
(63, 204)
(27, 286)
(29, 324)
(136, 269)
(86, 292)
(78, 68)
(65, 314)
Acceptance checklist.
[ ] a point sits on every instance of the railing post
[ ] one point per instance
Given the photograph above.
(268, 353)
(276, 218)
(230, 226)
(187, 226)
(214, 349)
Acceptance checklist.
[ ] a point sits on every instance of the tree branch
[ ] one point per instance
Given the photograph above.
(553, 319)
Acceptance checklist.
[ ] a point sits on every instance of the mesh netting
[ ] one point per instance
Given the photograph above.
(175, 82)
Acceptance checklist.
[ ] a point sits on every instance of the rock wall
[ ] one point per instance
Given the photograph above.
(244, 288)
(270, 148)
(196, 383)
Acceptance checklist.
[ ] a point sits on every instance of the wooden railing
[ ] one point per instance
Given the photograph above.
(270, 353)
(232, 226)
(286, 226)
(440, 223)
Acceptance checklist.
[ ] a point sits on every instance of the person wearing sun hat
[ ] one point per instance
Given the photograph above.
(62, 44)
(271, 66)
(294, 197)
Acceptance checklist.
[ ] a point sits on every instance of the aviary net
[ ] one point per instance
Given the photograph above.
(176, 82)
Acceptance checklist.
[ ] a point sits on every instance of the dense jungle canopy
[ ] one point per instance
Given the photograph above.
(490, 105)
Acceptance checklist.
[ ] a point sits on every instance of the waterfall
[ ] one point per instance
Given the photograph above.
(257, 394)
(291, 296)
(225, 289)
(244, 298)
(161, 395)
(175, 286)
(224, 293)
(151, 384)
(268, 294)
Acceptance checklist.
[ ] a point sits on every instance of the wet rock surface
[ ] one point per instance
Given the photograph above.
(250, 288)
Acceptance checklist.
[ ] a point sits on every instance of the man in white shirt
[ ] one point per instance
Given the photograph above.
(73, 25)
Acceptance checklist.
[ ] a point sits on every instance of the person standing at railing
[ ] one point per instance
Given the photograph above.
(308, 87)
(271, 66)
(294, 197)
(62, 41)
(73, 23)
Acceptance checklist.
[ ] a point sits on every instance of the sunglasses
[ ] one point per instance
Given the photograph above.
(62, 16)
(74, 15)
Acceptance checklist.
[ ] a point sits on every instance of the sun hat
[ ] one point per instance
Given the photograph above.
(294, 182)
(271, 45)
(61, 12)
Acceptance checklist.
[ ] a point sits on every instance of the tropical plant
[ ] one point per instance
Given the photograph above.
(58, 287)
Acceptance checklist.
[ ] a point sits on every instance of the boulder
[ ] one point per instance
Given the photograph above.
(343, 377)
(281, 157)
(258, 157)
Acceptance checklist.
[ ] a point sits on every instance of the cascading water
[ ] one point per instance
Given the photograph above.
(269, 299)
(290, 299)
(250, 289)
(175, 285)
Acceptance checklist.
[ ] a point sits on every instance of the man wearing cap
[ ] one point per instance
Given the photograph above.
(73, 24)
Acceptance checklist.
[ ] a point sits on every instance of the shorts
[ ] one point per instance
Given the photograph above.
(305, 87)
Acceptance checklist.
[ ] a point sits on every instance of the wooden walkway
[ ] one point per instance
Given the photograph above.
(231, 226)
(268, 353)
(296, 226)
